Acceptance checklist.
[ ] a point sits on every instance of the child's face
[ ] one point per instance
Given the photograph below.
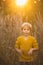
(26, 30)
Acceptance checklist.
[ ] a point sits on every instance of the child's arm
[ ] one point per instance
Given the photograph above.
(18, 50)
(35, 46)
(31, 50)
(17, 46)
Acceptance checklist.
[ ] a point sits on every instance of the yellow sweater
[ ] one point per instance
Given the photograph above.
(25, 46)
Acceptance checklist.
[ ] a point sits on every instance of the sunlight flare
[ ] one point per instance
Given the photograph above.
(21, 2)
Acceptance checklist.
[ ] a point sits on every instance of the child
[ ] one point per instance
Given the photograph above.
(26, 45)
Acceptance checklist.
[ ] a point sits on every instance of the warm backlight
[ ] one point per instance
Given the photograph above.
(21, 2)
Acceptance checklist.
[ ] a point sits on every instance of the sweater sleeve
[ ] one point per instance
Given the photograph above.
(35, 43)
(17, 44)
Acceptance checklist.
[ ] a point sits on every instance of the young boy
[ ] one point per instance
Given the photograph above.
(26, 45)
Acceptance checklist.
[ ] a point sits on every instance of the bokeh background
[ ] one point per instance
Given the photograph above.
(11, 18)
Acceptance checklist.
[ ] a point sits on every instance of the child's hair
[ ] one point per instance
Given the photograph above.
(26, 24)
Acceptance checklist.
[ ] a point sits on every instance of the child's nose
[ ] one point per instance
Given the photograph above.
(26, 29)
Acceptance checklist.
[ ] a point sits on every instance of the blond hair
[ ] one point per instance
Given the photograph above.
(26, 24)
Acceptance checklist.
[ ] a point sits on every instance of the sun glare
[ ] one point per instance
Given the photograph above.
(21, 2)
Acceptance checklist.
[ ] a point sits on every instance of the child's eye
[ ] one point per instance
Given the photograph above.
(24, 29)
(27, 29)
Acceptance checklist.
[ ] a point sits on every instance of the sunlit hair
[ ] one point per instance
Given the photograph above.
(26, 24)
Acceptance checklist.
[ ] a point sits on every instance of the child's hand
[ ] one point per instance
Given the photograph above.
(30, 51)
(19, 51)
